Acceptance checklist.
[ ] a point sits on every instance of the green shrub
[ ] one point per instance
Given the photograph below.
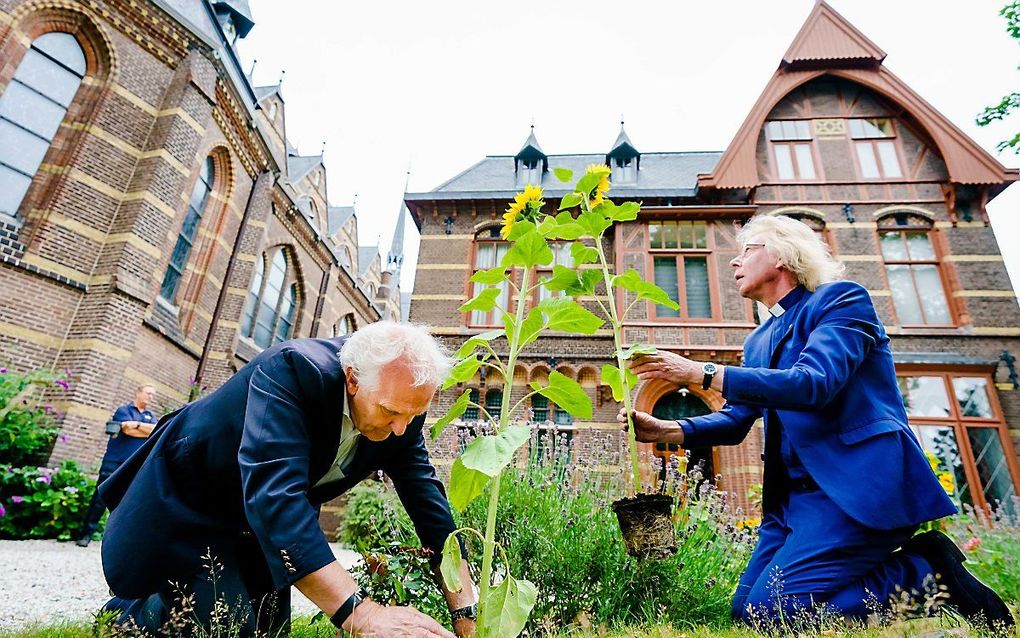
(27, 424)
(992, 545)
(562, 535)
(374, 519)
(43, 502)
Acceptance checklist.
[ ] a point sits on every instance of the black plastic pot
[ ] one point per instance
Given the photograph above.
(646, 522)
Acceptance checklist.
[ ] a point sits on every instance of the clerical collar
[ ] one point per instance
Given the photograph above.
(787, 302)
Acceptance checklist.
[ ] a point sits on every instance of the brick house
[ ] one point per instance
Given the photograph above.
(155, 224)
(835, 140)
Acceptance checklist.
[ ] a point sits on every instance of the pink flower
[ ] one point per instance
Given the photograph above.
(3, 512)
(971, 544)
(45, 478)
(70, 489)
(63, 438)
(64, 383)
(17, 499)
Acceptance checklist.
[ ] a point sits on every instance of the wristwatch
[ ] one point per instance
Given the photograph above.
(709, 369)
(346, 609)
(471, 611)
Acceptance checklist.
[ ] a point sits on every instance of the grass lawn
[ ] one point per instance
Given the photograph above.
(945, 627)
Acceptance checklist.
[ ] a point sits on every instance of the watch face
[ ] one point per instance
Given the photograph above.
(709, 368)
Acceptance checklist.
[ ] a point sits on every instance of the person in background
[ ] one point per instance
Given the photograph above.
(136, 423)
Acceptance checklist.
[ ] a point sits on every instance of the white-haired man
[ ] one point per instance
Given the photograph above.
(846, 483)
(240, 473)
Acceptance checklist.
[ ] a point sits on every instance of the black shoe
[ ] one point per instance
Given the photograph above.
(974, 600)
(83, 541)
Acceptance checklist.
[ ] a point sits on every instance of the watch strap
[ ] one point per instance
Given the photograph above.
(464, 612)
(347, 608)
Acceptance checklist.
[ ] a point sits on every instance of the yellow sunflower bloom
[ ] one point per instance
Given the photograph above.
(526, 205)
(598, 194)
(948, 484)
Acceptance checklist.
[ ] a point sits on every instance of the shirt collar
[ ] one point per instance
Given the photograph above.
(345, 429)
(787, 302)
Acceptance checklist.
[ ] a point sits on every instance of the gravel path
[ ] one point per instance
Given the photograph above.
(49, 582)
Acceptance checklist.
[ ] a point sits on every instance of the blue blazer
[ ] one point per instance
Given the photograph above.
(831, 381)
(243, 461)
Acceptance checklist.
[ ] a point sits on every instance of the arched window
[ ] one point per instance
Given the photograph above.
(272, 301)
(186, 239)
(494, 403)
(345, 326)
(471, 413)
(912, 266)
(32, 108)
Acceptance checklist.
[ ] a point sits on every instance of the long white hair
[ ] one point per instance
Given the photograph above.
(797, 246)
(371, 348)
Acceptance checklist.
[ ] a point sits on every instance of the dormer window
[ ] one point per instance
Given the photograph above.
(229, 28)
(624, 170)
(529, 171)
(530, 163)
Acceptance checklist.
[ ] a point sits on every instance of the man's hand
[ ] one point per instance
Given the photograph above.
(668, 366)
(649, 429)
(371, 619)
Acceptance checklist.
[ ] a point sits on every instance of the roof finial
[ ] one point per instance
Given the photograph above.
(621, 120)
(354, 204)
(323, 150)
(251, 74)
(407, 178)
(283, 72)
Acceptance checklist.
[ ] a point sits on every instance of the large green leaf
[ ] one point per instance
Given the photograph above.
(491, 453)
(463, 370)
(563, 174)
(593, 222)
(531, 327)
(587, 183)
(567, 315)
(469, 346)
(483, 301)
(530, 250)
(456, 410)
(632, 281)
(636, 349)
(465, 485)
(567, 394)
(573, 282)
(625, 212)
(520, 229)
(491, 276)
(583, 254)
(504, 612)
(570, 200)
(450, 567)
(611, 376)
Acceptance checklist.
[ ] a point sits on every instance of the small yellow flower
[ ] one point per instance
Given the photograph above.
(526, 205)
(598, 194)
(948, 484)
(933, 461)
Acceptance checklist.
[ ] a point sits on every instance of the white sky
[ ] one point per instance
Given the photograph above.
(438, 85)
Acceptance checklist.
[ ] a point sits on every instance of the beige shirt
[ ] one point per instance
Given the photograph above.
(349, 437)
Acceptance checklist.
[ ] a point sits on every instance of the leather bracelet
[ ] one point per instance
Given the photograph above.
(346, 609)
(471, 611)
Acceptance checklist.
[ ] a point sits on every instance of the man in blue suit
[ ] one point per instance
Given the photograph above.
(235, 480)
(846, 484)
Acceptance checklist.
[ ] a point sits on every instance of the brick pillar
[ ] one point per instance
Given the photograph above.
(129, 267)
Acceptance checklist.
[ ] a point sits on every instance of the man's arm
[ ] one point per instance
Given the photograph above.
(422, 495)
(137, 429)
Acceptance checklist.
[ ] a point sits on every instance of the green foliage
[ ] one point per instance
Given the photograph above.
(43, 502)
(1010, 102)
(992, 545)
(560, 535)
(374, 518)
(27, 424)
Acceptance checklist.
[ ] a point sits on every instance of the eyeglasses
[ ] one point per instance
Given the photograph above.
(748, 247)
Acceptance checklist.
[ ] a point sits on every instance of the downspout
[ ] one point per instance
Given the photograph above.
(323, 287)
(204, 359)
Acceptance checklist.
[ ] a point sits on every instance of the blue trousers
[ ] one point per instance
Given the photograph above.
(811, 555)
(243, 583)
(96, 505)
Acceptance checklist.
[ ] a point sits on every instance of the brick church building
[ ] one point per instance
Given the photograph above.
(156, 227)
(835, 140)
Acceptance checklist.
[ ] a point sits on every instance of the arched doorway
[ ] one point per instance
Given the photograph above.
(682, 404)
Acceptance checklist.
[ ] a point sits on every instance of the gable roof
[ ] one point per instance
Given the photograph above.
(300, 165)
(826, 33)
(366, 255)
(827, 36)
(338, 217)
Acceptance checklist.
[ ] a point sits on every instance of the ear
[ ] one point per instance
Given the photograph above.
(351, 381)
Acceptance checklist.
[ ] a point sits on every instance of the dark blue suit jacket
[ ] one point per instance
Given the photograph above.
(831, 381)
(243, 460)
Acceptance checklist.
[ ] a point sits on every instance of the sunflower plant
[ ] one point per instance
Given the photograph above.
(583, 217)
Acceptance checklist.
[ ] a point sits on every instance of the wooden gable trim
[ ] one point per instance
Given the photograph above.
(828, 36)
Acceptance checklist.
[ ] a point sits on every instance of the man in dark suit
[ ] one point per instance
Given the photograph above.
(846, 483)
(235, 479)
